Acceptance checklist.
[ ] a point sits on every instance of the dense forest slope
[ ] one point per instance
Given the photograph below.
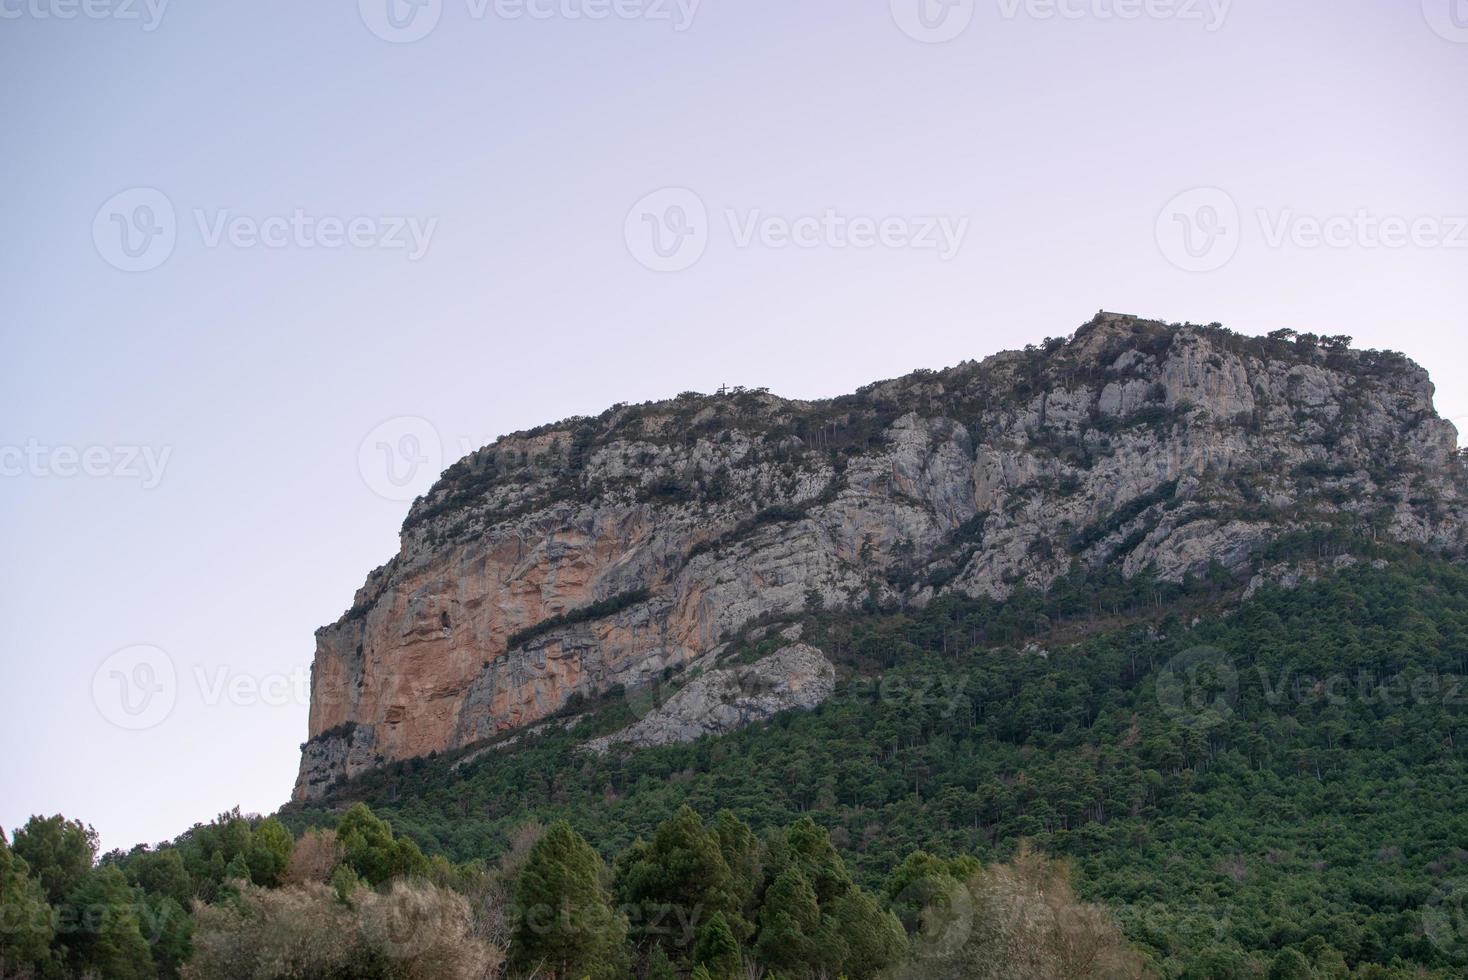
(1233, 783)
(594, 555)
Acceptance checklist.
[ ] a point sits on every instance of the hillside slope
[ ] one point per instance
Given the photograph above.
(1304, 784)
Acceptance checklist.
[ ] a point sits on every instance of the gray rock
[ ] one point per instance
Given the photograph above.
(729, 698)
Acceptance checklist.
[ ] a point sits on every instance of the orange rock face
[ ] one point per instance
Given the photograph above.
(435, 642)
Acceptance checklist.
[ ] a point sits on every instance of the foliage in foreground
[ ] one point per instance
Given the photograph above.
(410, 931)
(708, 901)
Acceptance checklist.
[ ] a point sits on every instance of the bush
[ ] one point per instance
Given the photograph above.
(314, 859)
(1023, 919)
(412, 932)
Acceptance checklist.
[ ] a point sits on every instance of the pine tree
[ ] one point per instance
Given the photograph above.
(345, 882)
(373, 852)
(269, 852)
(1290, 964)
(160, 872)
(807, 846)
(924, 883)
(111, 944)
(168, 929)
(659, 967)
(565, 924)
(870, 938)
(742, 853)
(716, 951)
(238, 869)
(26, 925)
(790, 919)
(680, 875)
(59, 853)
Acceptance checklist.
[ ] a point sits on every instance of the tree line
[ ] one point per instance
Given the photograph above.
(241, 898)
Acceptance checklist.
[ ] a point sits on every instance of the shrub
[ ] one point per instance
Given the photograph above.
(314, 859)
(412, 932)
(1024, 920)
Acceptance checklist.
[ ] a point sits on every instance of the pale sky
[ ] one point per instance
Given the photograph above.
(248, 245)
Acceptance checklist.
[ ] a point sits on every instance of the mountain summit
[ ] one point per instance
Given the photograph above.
(592, 553)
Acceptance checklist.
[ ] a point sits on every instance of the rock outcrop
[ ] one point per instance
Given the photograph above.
(600, 552)
(797, 677)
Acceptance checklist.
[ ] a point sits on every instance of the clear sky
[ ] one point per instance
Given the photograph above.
(256, 252)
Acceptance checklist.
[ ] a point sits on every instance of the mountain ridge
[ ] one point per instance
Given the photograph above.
(573, 558)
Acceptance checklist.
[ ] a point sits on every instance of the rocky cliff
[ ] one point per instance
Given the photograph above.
(601, 552)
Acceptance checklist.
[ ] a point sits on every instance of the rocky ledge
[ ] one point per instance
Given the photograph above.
(729, 698)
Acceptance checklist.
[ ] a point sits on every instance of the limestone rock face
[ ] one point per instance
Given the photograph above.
(348, 750)
(729, 698)
(601, 552)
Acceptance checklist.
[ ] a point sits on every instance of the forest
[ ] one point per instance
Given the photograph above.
(1190, 787)
(707, 900)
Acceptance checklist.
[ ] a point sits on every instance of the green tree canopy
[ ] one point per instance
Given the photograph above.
(679, 876)
(717, 951)
(26, 927)
(371, 850)
(105, 933)
(871, 938)
(564, 921)
(59, 853)
(806, 846)
(789, 921)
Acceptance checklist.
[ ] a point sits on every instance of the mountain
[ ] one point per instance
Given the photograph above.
(593, 555)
